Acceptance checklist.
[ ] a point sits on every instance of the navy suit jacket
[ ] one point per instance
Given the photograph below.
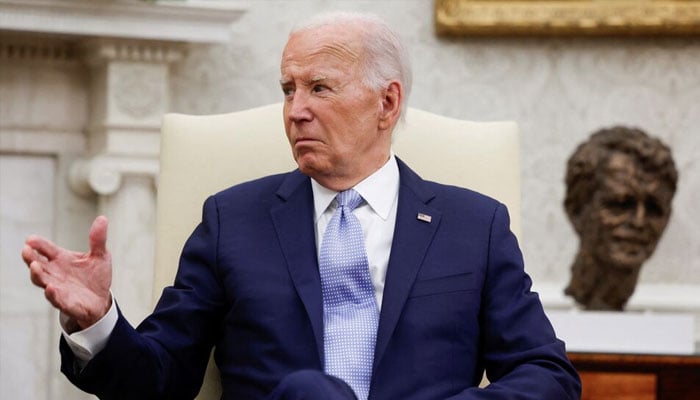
(456, 301)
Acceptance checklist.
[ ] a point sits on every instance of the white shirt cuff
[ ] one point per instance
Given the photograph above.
(91, 340)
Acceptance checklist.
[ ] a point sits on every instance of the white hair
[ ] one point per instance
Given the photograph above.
(387, 57)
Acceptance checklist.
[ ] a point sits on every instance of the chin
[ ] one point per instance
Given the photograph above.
(305, 163)
(630, 262)
(628, 256)
(313, 162)
(310, 169)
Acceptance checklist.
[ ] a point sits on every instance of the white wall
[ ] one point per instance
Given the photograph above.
(43, 106)
(25, 183)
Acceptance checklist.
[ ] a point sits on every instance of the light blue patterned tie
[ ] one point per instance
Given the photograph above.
(350, 312)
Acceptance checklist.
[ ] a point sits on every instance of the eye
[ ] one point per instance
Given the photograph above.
(620, 205)
(653, 207)
(287, 90)
(319, 88)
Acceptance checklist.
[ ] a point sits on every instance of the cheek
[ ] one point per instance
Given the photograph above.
(602, 220)
(595, 236)
(657, 225)
(611, 220)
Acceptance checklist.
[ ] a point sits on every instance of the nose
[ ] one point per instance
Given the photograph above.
(297, 107)
(639, 215)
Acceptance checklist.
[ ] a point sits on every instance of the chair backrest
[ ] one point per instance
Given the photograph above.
(201, 155)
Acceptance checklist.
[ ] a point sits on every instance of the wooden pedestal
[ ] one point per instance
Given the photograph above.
(638, 377)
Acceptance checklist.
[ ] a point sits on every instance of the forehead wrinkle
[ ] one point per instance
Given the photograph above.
(311, 45)
(342, 51)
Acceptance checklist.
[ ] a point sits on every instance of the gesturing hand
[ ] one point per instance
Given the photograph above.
(75, 283)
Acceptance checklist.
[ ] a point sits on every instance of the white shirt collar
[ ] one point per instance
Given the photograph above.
(379, 191)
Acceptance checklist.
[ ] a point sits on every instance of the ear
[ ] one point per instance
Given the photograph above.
(392, 99)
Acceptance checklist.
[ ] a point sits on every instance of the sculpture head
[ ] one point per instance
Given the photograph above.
(620, 184)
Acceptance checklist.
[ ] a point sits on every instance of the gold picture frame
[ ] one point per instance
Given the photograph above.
(567, 17)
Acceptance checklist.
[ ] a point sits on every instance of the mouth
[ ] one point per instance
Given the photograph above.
(305, 141)
(632, 240)
(631, 249)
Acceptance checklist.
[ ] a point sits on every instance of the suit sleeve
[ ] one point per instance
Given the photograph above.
(523, 358)
(166, 356)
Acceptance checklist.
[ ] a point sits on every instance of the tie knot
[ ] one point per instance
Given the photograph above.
(349, 199)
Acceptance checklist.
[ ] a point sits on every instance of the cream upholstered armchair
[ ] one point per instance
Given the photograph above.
(243, 145)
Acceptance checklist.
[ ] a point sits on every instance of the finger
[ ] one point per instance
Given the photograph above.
(37, 274)
(98, 236)
(28, 254)
(43, 246)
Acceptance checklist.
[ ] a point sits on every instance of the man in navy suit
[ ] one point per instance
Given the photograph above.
(448, 277)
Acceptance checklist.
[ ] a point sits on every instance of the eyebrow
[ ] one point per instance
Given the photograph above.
(314, 79)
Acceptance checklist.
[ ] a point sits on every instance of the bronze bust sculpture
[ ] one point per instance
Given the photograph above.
(619, 187)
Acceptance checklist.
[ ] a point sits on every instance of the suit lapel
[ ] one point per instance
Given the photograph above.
(293, 219)
(412, 238)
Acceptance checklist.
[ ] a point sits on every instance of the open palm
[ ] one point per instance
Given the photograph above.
(75, 283)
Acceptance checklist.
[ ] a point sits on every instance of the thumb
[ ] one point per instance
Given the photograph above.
(98, 236)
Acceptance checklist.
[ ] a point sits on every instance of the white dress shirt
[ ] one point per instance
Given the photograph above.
(377, 215)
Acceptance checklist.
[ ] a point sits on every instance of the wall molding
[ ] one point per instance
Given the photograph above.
(47, 142)
(191, 21)
(33, 49)
(103, 175)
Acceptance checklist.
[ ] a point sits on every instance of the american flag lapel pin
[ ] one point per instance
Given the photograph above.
(424, 217)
